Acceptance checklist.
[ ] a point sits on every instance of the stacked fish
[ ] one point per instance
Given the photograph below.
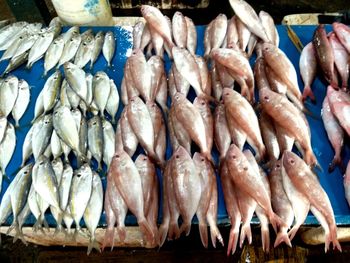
(25, 42)
(14, 100)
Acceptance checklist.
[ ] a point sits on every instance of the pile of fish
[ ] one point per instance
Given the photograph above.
(14, 100)
(28, 43)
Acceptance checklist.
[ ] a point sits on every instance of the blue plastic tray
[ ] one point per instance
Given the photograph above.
(333, 183)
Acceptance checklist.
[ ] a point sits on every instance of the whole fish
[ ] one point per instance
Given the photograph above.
(207, 39)
(222, 136)
(7, 147)
(55, 143)
(308, 67)
(96, 51)
(339, 103)
(84, 52)
(204, 73)
(241, 112)
(108, 47)
(42, 131)
(191, 40)
(244, 34)
(95, 139)
(70, 49)
(101, 88)
(181, 84)
(157, 43)
(76, 80)
(26, 45)
(53, 54)
(341, 59)
(179, 29)
(15, 62)
(65, 185)
(93, 211)
(216, 83)
(218, 31)
(113, 100)
(249, 181)
(128, 182)
(73, 97)
(290, 118)
(83, 137)
(109, 141)
(137, 31)
(193, 123)
(8, 54)
(22, 101)
(73, 31)
(324, 54)
(3, 125)
(187, 187)
(269, 26)
(180, 133)
(280, 203)
(27, 146)
(343, 33)
(8, 31)
(334, 131)
(51, 91)
(156, 68)
(248, 16)
(231, 33)
(8, 95)
(269, 136)
(145, 37)
(80, 193)
(260, 73)
(204, 109)
(162, 95)
(307, 183)
(40, 46)
(129, 139)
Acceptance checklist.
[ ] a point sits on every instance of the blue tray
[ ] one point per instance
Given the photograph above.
(333, 183)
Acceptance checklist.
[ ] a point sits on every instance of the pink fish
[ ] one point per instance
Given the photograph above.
(347, 183)
(343, 33)
(191, 36)
(222, 136)
(179, 29)
(308, 68)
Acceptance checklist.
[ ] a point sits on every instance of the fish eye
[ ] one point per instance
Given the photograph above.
(78, 175)
(95, 122)
(117, 156)
(145, 158)
(278, 166)
(203, 103)
(291, 161)
(41, 163)
(266, 98)
(233, 156)
(177, 156)
(26, 172)
(202, 159)
(245, 168)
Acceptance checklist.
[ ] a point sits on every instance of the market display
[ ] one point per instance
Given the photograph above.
(236, 112)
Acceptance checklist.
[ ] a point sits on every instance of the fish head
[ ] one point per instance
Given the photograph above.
(227, 94)
(277, 166)
(200, 160)
(119, 158)
(42, 160)
(109, 35)
(94, 121)
(99, 35)
(266, 95)
(268, 49)
(142, 161)
(47, 120)
(12, 80)
(200, 102)
(235, 156)
(181, 153)
(290, 160)
(178, 97)
(23, 85)
(57, 163)
(68, 66)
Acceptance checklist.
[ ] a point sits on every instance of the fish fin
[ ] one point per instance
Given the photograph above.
(18, 234)
(265, 239)
(215, 234)
(185, 228)
(162, 234)
(146, 230)
(174, 231)
(333, 238)
(246, 232)
(282, 237)
(121, 233)
(108, 239)
(293, 231)
(203, 232)
(307, 93)
(336, 161)
(93, 244)
(276, 221)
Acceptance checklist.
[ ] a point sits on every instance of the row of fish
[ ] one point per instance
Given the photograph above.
(29, 43)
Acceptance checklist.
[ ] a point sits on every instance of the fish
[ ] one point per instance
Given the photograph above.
(108, 47)
(42, 131)
(204, 109)
(280, 203)
(216, 83)
(157, 43)
(15, 62)
(76, 79)
(65, 185)
(109, 142)
(248, 16)
(156, 69)
(191, 40)
(145, 37)
(25, 46)
(73, 31)
(290, 118)
(7, 147)
(324, 54)
(343, 33)
(346, 183)
(181, 136)
(96, 51)
(55, 143)
(187, 187)
(51, 91)
(339, 103)
(95, 139)
(181, 84)
(113, 101)
(83, 138)
(129, 139)
(334, 131)
(80, 193)
(21, 102)
(244, 34)
(218, 31)
(238, 109)
(307, 183)
(93, 211)
(260, 73)
(3, 125)
(269, 26)
(70, 49)
(308, 67)
(27, 148)
(162, 95)
(84, 52)
(204, 73)
(101, 90)
(8, 95)
(222, 136)
(179, 29)
(341, 59)
(10, 30)
(249, 181)
(192, 121)
(269, 136)
(128, 182)
(137, 32)
(207, 39)
(11, 50)
(40, 47)
(72, 96)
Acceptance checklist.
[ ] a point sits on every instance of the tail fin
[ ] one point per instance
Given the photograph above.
(203, 231)
(174, 231)
(307, 93)
(108, 239)
(162, 234)
(185, 228)
(336, 161)
(93, 244)
(121, 233)
(246, 232)
(282, 236)
(334, 239)
(265, 239)
(215, 234)
(293, 231)
(18, 234)
(233, 240)
(276, 221)
(146, 230)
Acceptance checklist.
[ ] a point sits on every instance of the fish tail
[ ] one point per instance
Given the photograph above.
(276, 221)
(334, 239)
(162, 234)
(336, 161)
(108, 238)
(93, 244)
(203, 232)
(122, 233)
(293, 231)
(246, 232)
(174, 231)
(307, 93)
(282, 237)
(185, 228)
(18, 234)
(265, 238)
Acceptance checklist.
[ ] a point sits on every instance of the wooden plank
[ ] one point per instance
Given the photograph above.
(48, 238)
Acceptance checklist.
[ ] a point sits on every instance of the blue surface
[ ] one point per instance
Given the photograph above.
(332, 183)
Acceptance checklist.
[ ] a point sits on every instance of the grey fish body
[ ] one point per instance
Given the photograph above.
(99, 39)
(27, 148)
(22, 101)
(12, 49)
(26, 45)
(113, 100)
(9, 31)
(8, 95)
(42, 130)
(55, 143)
(15, 62)
(84, 52)
(108, 47)
(7, 147)
(65, 186)
(109, 142)
(51, 91)
(70, 49)
(39, 48)
(3, 125)
(53, 54)
(76, 79)
(101, 88)
(73, 31)
(95, 138)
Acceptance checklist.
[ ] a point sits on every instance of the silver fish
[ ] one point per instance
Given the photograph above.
(57, 166)
(70, 49)
(84, 51)
(51, 90)
(64, 99)
(22, 101)
(83, 137)
(39, 48)
(8, 95)
(8, 31)
(55, 144)
(73, 97)
(42, 130)
(12, 49)
(15, 62)
(80, 193)
(89, 95)
(77, 117)
(99, 39)
(7, 147)
(101, 88)
(27, 149)
(65, 186)
(113, 100)
(26, 45)
(95, 139)
(3, 125)
(76, 79)
(93, 211)
(53, 54)
(108, 47)
(109, 142)
(73, 31)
